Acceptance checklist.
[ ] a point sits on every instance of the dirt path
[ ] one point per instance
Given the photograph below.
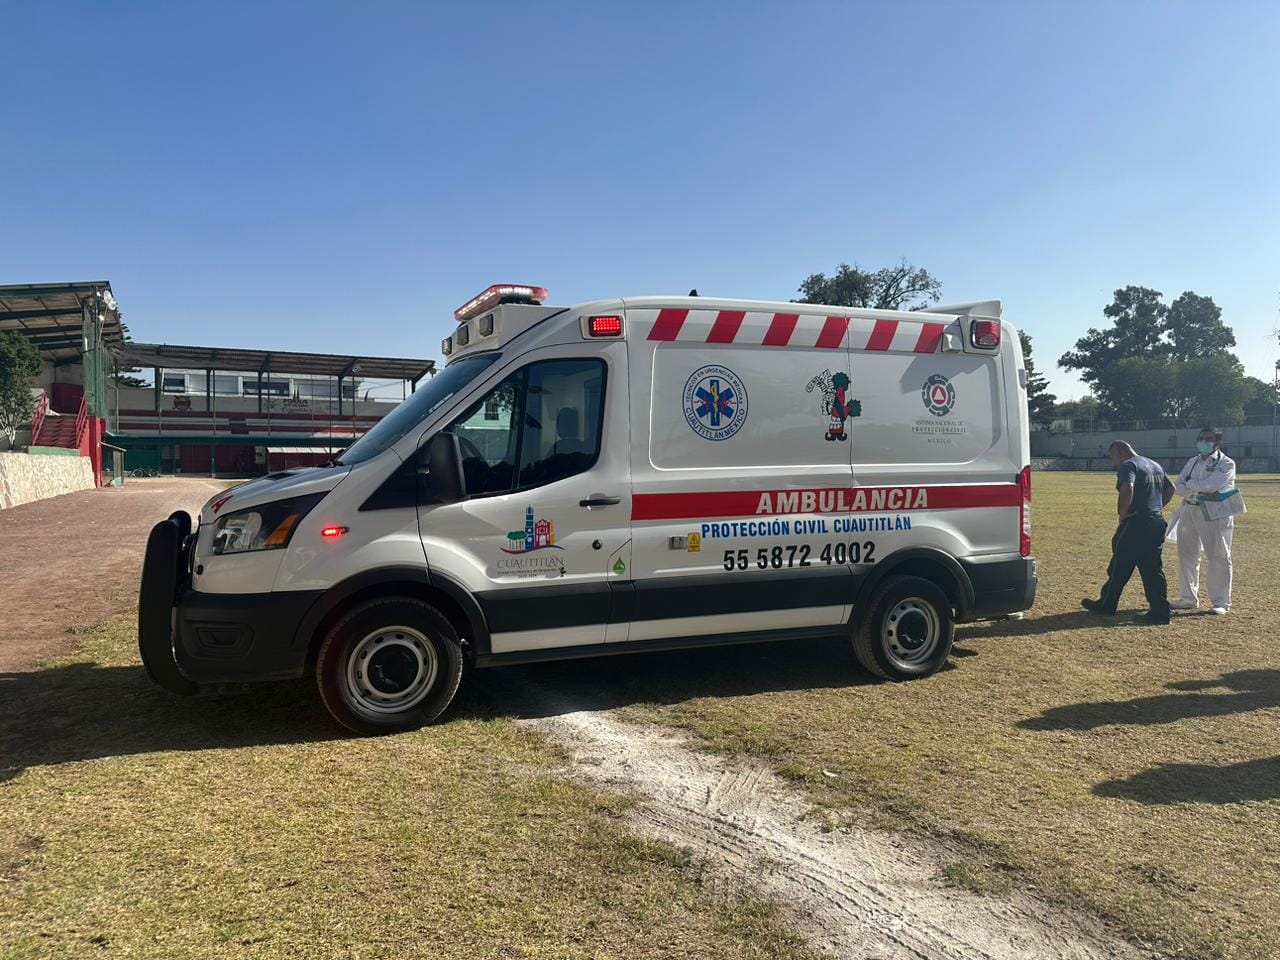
(856, 893)
(74, 560)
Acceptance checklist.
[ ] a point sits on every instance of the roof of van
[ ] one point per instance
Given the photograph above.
(984, 308)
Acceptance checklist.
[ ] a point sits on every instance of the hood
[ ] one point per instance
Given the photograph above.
(274, 486)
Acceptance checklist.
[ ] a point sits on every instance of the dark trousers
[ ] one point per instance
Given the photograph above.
(1138, 543)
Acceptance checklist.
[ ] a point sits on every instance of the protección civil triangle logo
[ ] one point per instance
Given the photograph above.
(939, 395)
(715, 402)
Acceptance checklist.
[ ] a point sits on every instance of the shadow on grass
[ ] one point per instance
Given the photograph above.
(1033, 626)
(1198, 783)
(1253, 690)
(85, 711)
(606, 683)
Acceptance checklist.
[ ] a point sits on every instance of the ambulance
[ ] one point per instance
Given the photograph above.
(621, 476)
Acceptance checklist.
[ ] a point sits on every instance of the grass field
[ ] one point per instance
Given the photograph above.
(136, 824)
(1132, 769)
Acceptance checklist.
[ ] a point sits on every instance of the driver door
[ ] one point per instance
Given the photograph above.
(544, 529)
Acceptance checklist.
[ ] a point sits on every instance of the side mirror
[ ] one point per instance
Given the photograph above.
(440, 478)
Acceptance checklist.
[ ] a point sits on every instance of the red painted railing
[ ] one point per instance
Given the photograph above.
(37, 418)
(82, 422)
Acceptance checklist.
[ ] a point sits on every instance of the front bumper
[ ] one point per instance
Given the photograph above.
(189, 639)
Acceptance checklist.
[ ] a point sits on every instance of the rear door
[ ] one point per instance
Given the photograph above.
(545, 528)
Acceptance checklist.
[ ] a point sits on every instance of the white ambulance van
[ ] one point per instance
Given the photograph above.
(616, 477)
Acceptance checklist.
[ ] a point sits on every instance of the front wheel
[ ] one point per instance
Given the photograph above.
(907, 630)
(389, 665)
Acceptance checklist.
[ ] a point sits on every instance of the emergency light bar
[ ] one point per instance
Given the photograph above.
(500, 293)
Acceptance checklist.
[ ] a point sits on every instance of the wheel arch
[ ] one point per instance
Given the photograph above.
(444, 593)
(929, 563)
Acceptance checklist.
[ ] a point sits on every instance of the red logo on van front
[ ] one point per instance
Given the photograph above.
(219, 503)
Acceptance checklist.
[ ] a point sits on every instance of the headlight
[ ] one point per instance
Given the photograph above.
(266, 527)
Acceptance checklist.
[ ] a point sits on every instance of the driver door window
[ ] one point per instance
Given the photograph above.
(540, 425)
(488, 442)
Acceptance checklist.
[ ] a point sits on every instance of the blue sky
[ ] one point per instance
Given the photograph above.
(341, 176)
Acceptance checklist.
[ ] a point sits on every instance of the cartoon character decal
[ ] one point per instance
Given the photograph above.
(836, 403)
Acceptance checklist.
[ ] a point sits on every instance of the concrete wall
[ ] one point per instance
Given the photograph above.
(1241, 443)
(25, 477)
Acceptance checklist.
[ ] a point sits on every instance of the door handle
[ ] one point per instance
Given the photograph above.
(598, 500)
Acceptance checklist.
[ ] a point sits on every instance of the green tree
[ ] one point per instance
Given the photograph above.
(1210, 390)
(889, 288)
(1262, 397)
(19, 364)
(1137, 315)
(1138, 388)
(1195, 328)
(1085, 410)
(1040, 402)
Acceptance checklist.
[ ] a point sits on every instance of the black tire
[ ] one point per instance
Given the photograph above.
(388, 665)
(885, 649)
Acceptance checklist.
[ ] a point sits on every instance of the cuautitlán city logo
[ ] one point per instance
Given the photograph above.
(539, 534)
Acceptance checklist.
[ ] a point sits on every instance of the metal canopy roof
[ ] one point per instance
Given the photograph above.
(51, 315)
(177, 357)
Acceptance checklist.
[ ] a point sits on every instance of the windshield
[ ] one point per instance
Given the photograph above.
(425, 401)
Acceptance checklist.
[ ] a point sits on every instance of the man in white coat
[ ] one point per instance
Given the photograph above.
(1205, 521)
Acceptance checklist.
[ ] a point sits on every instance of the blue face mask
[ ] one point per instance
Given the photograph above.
(1205, 446)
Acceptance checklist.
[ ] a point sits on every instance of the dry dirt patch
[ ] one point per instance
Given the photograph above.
(69, 562)
(853, 891)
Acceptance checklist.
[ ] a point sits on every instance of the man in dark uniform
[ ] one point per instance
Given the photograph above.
(1143, 491)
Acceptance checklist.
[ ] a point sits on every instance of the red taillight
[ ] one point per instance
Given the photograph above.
(985, 333)
(330, 533)
(1024, 537)
(609, 326)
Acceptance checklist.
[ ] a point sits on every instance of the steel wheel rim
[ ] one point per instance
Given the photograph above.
(391, 670)
(912, 632)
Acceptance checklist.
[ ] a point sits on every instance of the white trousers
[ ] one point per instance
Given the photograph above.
(1213, 537)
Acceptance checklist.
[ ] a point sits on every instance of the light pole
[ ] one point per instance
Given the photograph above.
(1275, 420)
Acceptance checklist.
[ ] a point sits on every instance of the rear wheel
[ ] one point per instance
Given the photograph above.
(388, 665)
(907, 631)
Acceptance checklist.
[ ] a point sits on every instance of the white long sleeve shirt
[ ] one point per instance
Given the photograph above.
(1205, 475)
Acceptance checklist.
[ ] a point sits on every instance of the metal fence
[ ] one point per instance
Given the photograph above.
(1253, 445)
(1103, 425)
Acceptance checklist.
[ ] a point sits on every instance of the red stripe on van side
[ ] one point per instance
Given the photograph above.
(930, 335)
(882, 335)
(668, 324)
(780, 330)
(726, 326)
(832, 335)
(748, 503)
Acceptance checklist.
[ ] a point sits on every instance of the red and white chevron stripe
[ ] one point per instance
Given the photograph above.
(796, 330)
